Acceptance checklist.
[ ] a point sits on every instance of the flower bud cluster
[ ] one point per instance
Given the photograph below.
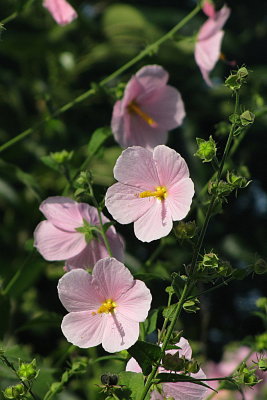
(173, 362)
(17, 391)
(246, 376)
(235, 80)
(211, 267)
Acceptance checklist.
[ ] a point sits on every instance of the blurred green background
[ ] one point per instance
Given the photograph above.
(42, 67)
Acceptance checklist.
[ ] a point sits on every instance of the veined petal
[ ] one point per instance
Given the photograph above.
(62, 12)
(62, 212)
(123, 203)
(179, 198)
(136, 167)
(207, 51)
(56, 244)
(155, 223)
(214, 25)
(186, 390)
(77, 293)
(111, 278)
(120, 333)
(135, 303)
(84, 329)
(171, 166)
(133, 366)
(151, 77)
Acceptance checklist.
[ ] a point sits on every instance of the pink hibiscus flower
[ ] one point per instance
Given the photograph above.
(209, 39)
(62, 12)
(178, 390)
(66, 234)
(148, 110)
(154, 189)
(105, 307)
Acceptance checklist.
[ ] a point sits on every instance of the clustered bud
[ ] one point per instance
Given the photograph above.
(236, 79)
(185, 230)
(246, 375)
(14, 392)
(206, 149)
(211, 267)
(173, 362)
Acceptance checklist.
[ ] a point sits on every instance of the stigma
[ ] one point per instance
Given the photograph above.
(133, 107)
(107, 307)
(160, 193)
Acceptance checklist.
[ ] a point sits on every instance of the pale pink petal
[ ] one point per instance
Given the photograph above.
(185, 349)
(207, 52)
(133, 366)
(135, 167)
(124, 205)
(111, 278)
(120, 333)
(186, 390)
(155, 395)
(214, 25)
(62, 12)
(179, 199)
(166, 107)
(135, 303)
(171, 166)
(209, 9)
(131, 92)
(84, 329)
(62, 212)
(151, 77)
(155, 223)
(56, 244)
(77, 293)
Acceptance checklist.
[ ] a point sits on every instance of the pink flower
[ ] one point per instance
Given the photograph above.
(105, 307)
(62, 12)
(154, 189)
(178, 390)
(148, 110)
(209, 9)
(67, 234)
(208, 45)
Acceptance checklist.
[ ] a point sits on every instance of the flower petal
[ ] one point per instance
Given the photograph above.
(135, 303)
(77, 293)
(179, 199)
(186, 390)
(171, 166)
(61, 11)
(151, 77)
(135, 167)
(62, 212)
(155, 223)
(133, 366)
(111, 278)
(56, 244)
(124, 205)
(120, 333)
(214, 25)
(84, 329)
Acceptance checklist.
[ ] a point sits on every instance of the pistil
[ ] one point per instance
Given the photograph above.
(133, 107)
(160, 193)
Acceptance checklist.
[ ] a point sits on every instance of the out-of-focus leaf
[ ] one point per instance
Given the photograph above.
(150, 323)
(132, 381)
(42, 321)
(97, 139)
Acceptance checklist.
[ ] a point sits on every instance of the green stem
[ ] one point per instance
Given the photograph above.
(9, 18)
(155, 254)
(148, 50)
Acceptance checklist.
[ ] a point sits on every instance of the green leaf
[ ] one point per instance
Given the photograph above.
(168, 312)
(97, 139)
(150, 323)
(164, 377)
(132, 381)
(108, 225)
(42, 321)
(145, 354)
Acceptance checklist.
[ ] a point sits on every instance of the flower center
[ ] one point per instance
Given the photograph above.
(107, 307)
(160, 193)
(133, 107)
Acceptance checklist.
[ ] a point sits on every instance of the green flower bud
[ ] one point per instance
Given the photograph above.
(246, 376)
(237, 181)
(210, 260)
(14, 392)
(185, 230)
(260, 266)
(262, 364)
(247, 118)
(242, 73)
(173, 362)
(236, 79)
(61, 157)
(192, 366)
(27, 371)
(191, 306)
(206, 149)
(234, 119)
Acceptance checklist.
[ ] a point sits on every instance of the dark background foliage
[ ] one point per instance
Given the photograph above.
(44, 66)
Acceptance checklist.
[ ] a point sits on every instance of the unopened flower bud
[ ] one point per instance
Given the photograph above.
(236, 79)
(173, 362)
(191, 306)
(185, 230)
(260, 266)
(109, 379)
(206, 149)
(247, 118)
(192, 366)
(14, 392)
(262, 364)
(239, 182)
(61, 157)
(246, 376)
(242, 73)
(27, 371)
(210, 260)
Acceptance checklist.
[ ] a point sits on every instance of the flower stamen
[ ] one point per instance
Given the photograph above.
(160, 193)
(133, 107)
(107, 307)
